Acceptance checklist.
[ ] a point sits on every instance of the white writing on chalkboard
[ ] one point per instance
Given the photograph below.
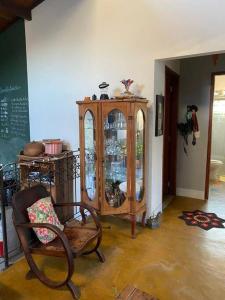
(10, 88)
(14, 114)
(4, 118)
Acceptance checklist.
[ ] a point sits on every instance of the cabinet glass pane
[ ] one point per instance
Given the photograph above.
(115, 150)
(90, 163)
(140, 155)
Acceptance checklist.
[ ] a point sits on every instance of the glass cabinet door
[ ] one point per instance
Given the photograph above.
(115, 153)
(89, 150)
(140, 123)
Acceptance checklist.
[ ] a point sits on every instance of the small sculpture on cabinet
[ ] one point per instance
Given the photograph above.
(104, 91)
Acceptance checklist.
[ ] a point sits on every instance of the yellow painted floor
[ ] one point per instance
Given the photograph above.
(176, 262)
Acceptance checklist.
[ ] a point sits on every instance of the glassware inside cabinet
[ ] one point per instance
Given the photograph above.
(90, 156)
(115, 152)
(140, 155)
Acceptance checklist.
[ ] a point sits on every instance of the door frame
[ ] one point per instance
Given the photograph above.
(170, 72)
(209, 146)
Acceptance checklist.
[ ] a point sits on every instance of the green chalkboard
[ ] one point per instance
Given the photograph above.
(14, 109)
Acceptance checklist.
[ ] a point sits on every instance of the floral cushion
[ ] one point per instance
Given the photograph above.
(42, 211)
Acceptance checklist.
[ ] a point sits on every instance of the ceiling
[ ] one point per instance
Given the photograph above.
(12, 10)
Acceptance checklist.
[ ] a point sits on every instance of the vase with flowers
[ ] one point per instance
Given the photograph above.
(127, 83)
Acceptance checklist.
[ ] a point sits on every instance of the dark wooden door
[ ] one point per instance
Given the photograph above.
(170, 132)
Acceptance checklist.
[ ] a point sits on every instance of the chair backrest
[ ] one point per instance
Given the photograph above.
(24, 199)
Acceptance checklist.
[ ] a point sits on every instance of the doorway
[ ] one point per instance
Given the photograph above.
(170, 133)
(215, 172)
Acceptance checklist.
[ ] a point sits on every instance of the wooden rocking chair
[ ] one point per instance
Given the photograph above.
(72, 242)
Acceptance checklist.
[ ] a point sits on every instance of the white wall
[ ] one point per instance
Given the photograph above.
(156, 173)
(73, 45)
(218, 122)
(218, 136)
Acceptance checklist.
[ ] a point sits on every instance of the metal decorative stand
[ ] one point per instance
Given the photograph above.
(10, 183)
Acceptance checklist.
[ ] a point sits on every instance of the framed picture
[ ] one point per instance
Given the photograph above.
(159, 117)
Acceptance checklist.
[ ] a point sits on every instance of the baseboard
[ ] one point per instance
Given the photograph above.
(191, 193)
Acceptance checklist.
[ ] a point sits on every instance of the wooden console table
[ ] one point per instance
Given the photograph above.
(55, 173)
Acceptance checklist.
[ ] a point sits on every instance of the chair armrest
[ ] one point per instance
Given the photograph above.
(83, 206)
(65, 243)
(56, 230)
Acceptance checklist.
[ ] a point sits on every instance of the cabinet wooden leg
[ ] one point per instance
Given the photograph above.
(133, 226)
(143, 219)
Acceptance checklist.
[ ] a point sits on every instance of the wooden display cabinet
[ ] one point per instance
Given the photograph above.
(112, 152)
(55, 173)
